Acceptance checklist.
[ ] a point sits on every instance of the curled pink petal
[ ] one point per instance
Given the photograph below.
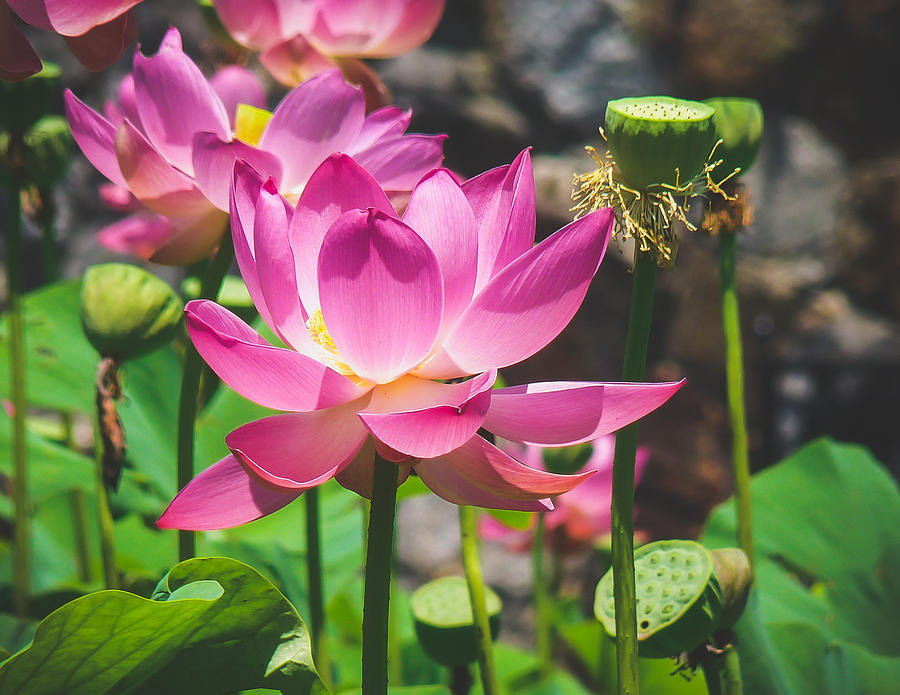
(236, 85)
(399, 162)
(95, 136)
(213, 163)
(294, 61)
(139, 235)
(445, 482)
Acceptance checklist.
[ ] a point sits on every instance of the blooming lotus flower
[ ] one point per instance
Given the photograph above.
(172, 137)
(581, 516)
(96, 32)
(298, 40)
(383, 315)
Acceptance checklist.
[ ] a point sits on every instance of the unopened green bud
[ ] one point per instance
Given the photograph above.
(27, 101)
(127, 312)
(679, 599)
(48, 144)
(735, 578)
(659, 141)
(739, 124)
(445, 626)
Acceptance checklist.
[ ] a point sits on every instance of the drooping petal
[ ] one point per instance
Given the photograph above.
(273, 377)
(255, 25)
(358, 73)
(527, 304)
(117, 198)
(195, 238)
(424, 418)
(381, 294)
(399, 162)
(175, 102)
(95, 136)
(563, 413)
(236, 85)
(103, 45)
(299, 450)
(140, 235)
(420, 19)
(445, 482)
(223, 496)
(294, 60)
(17, 58)
(213, 163)
(321, 116)
(75, 18)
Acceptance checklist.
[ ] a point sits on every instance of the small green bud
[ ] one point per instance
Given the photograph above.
(48, 144)
(444, 622)
(739, 124)
(679, 599)
(651, 138)
(735, 578)
(126, 312)
(27, 101)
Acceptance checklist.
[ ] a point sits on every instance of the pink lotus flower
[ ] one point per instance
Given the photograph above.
(172, 139)
(301, 39)
(96, 31)
(378, 312)
(581, 516)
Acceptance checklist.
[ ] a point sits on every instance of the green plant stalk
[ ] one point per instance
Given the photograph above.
(377, 591)
(723, 672)
(192, 369)
(734, 371)
(49, 244)
(314, 577)
(468, 517)
(633, 369)
(543, 636)
(79, 524)
(22, 511)
(461, 680)
(107, 536)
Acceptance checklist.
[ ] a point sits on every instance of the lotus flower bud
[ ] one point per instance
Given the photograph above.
(27, 101)
(679, 599)
(735, 578)
(445, 626)
(739, 124)
(48, 145)
(659, 141)
(127, 312)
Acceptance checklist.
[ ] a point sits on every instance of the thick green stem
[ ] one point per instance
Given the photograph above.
(49, 245)
(633, 369)
(192, 369)
(734, 371)
(461, 680)
(314, 576)
(468, 518)
(723, 672)
(22, 512)
(80, 528)
(543, 635)
(107, 537)
(377, 592)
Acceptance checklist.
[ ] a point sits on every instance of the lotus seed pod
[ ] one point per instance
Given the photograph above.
(739, 124)
(735, 577)
(27, 101)
(445, 627)
(678, 598)
(126, 312)
(652, 138)
(48, 144)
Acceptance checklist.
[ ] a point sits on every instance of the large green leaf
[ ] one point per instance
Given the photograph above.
(826, 527)
(216, 626)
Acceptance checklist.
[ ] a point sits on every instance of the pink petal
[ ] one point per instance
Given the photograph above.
(445, 482)
(294, 61)
(255, 25)
(137, 235)
(117, 198)
(425, 418)
(213, 164)
(420, 19)
(563, 413)
(195, 238)
(399, 162)
(126, 101)
(104, 44)
(383, 123)
(381, 294)
(299, 450)
(95, 136)
(359, 473)
(338, 185)
(17, 58)
(440, 214)
(489, 468)
(176, 102)
(316, 119)
(75, 18)
(223, 496)
(273, 377)
(527, 304)
(31, 12)
(236, 85)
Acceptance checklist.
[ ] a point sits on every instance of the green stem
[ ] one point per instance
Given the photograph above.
(107, 537)
(377, 592)
(80, 527)
(543, 636)
(723, 672)
(461, 680)
(468, 518)
(734, 370)
(192, 369)
(21, 567)
(49, 245)
(633, 369)
(314, 575)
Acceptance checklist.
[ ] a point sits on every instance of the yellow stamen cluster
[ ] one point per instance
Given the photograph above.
(249, 123)
(319, 332)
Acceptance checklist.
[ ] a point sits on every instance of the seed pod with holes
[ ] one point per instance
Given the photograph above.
(739, 124)
(679, 599)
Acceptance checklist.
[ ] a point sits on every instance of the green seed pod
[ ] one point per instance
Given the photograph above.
(48, 144)
(739, 124)
(652, 137)
(678, 598)
(444, 623)
(27, 101)
(735, 578)
(126, 312)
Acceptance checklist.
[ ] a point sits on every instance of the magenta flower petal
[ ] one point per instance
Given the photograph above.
(236, 85)
(563, 413)
(141, 234)
(195, 238)
(381, 294)
(75, 18)
(213, 162)
(398, 163)
(101, 46)
(526, 305)
(175, 101)
(294, 60)
(273, 377)
(386, 121)
(331, 113)
(426, 419)
(445, 482)
(223, 496)
(255, 25)
(17, 58)
(299, 450)
(420, 19)
(95, 136)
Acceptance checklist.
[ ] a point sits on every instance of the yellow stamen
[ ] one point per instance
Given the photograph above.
(249, 123)
(319, 332)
